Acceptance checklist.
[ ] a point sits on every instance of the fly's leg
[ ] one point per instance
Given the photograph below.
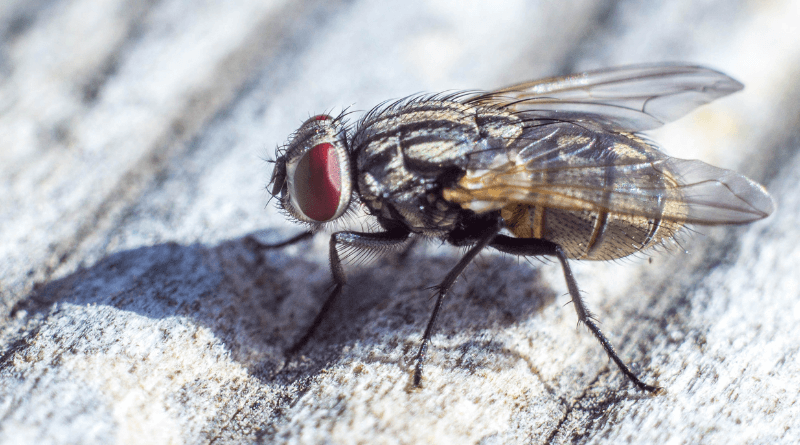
(290, 241)
(402, 257)
(533, 247)
(357, 241)
(480, 240)
(586, 317)
(295, 239)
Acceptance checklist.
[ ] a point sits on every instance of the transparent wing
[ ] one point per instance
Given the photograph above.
(631, 98)
(564, 166)
(713, 195)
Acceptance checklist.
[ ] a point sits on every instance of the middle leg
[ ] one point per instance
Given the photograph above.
(481, 238)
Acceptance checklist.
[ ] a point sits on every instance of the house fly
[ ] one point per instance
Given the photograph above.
(552, 167)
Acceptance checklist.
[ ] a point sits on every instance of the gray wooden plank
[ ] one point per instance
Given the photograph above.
(135, 311)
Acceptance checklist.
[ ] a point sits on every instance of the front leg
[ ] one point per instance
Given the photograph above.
(355, 241)
(293, 240)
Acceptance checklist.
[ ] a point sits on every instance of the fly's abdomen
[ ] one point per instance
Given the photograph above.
(588, 234)
(599, 196)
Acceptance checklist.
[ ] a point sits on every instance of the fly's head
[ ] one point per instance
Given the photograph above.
(312, 180)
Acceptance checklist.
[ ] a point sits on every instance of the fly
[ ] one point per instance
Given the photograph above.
(552, 167)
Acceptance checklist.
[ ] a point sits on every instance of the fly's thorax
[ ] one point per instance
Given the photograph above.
(407, 154)
(395, 193)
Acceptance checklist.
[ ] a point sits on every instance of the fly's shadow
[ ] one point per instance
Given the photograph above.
(259, 303)
(243, 298)
(384, 307)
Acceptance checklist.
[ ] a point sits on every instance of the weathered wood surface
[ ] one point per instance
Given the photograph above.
(134, 311)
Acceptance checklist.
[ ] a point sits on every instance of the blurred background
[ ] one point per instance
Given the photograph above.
(133, 144)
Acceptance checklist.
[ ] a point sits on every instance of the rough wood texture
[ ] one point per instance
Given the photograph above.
(133, 310)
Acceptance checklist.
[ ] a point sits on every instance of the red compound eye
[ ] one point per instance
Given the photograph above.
(319, 117)
(318, 183)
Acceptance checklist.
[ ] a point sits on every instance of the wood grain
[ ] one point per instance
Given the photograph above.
(132, 139)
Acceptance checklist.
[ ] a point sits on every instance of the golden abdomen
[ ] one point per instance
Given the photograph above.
(588, 234)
